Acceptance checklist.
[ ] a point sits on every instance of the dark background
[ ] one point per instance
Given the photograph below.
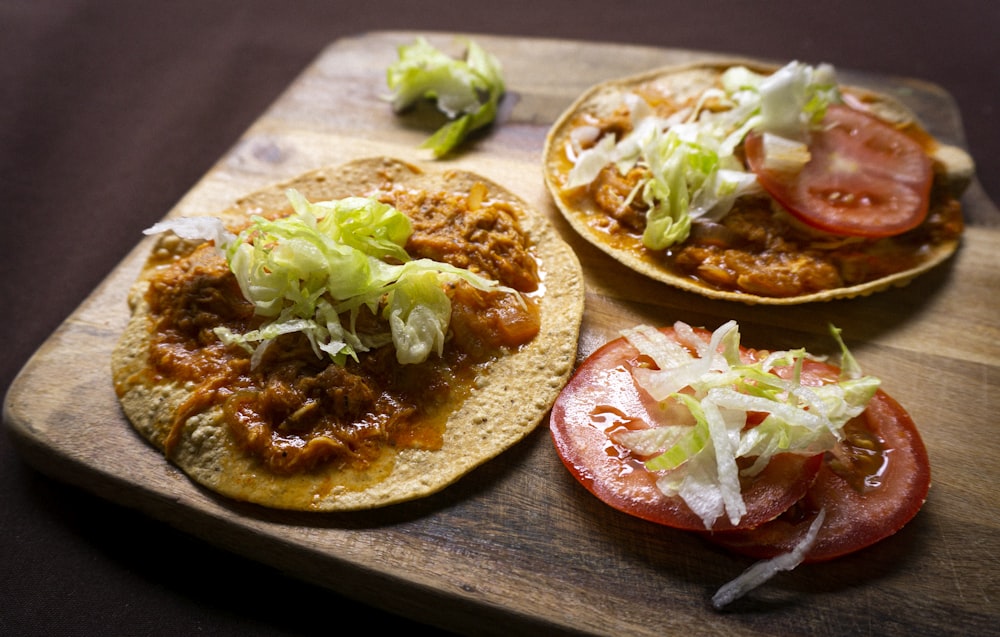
(111, 110)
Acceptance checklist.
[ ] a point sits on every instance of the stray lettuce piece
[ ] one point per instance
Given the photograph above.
(760, 572)
(466, 91)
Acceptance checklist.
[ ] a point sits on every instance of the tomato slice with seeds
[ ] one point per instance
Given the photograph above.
(870, 490)
(601, 398)
(864, 177)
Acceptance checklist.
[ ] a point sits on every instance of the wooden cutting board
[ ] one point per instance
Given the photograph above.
(518, 545)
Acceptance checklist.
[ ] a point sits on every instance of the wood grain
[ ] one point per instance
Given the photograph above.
(517, 545)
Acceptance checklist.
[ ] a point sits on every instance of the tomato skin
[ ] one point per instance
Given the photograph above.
(600, 395)
(864, 177)
(854, 520)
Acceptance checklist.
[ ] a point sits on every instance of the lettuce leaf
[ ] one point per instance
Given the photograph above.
(467, 91)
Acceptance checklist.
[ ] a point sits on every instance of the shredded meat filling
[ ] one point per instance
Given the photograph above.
(763, 251)
(760, 249)
(615, 194)
(483, 237)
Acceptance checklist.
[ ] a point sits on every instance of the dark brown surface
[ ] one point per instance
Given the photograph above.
(113, 111)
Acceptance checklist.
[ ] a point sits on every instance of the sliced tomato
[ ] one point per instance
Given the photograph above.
(602, 397)
(870, 490)
(864, 177)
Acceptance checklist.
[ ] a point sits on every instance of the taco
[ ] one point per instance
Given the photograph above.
(757, 184)
(360, 336)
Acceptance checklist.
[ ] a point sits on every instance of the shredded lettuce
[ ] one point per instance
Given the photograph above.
(467, 91)
(692, 167)
(849, 367)
(760, 572)
(787, 102)
(699, 462)
(314, 271)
